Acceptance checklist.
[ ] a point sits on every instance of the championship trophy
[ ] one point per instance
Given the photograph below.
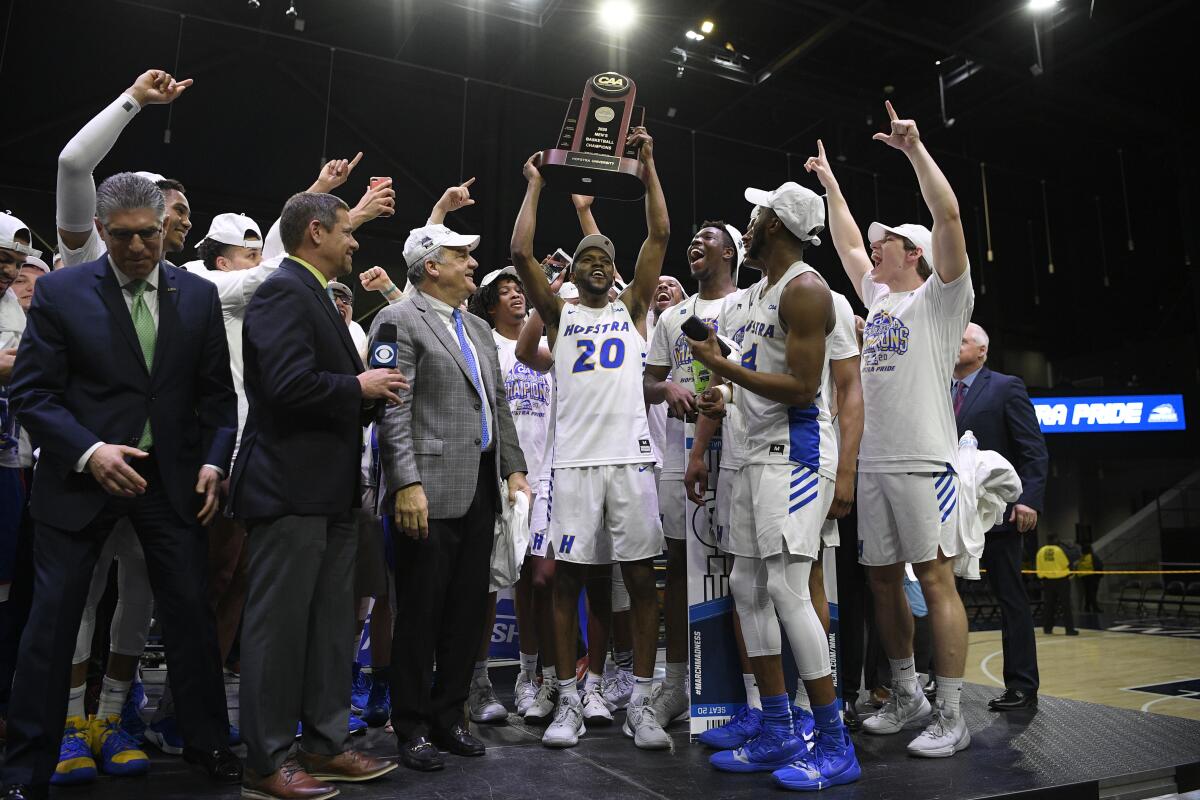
(591, 157)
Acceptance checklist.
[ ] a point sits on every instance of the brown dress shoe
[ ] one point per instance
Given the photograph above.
(289, 782)
(350, 766)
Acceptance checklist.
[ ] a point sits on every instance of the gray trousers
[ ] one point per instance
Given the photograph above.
(296, 637)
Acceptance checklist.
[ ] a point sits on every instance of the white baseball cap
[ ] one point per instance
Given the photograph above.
(802, 211)
(568, 291)
(595, 240)
(738, 245)
(10, 226)
(337, 287)
(423, 241)
(919, 235)
(496, 273)
(34, 261)
(231, 228)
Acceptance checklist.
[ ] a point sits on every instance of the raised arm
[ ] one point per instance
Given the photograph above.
(537, 288)
(376, 279)
(452, 200)
(530, 351)
(583, 209)
(640, 293)
(848, 384)
(847, 238)
(76, 193)
(949, 242)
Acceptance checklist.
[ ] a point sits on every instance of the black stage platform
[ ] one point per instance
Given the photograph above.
(1065, 749)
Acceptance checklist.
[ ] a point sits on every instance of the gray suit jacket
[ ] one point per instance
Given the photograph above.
(432, 438)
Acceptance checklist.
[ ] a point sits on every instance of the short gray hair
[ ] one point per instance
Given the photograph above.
(126, 191)
(980, 336)
(416, 272)
(301, 209)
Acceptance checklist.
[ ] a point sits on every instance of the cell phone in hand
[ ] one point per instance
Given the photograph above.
(695, 328)
(375, 181)
(556, 264)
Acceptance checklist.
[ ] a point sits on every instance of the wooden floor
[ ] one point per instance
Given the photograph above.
(1101, 667)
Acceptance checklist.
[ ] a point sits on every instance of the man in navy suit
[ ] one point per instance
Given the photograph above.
(996, 407)
(123, 378)
(296, 483)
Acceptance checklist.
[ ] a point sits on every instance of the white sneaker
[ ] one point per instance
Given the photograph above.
(616, 689)
(483, 703)
(595, 710)
(544, 703)
(671, 703)
(900, 712)
(944, 737)
(643, 727)
(567, 726)
(524, 692)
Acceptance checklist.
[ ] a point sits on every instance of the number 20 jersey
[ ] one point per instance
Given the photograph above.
(600, 416)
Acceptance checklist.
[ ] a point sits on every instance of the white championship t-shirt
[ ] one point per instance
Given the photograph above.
(735, 313)
(530, 396)
(910, 346)
(600, 415)
(669, 348)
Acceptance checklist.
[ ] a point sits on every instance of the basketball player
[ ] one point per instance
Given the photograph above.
(606, 510)
(917, 287)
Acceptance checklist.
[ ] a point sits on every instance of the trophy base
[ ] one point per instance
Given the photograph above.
(592, 174)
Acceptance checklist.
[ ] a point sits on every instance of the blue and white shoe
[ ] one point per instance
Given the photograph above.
(131, 716)
(357, 726)
(741, 728)
(804, 725)
(765, 752)
(360, 690)
(164, 734)
(831, 762)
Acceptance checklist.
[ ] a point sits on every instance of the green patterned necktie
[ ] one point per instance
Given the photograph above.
(143, 324)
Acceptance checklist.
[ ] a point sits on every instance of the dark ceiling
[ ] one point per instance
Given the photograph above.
(1088, 163)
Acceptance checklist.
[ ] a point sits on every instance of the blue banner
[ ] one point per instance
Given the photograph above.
(1142, 412)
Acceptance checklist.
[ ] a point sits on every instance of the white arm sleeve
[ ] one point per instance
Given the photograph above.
(273, 244)
(76, 195)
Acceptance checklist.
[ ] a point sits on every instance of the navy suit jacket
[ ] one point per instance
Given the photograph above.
(302, 446)
(998, 410)
(80, 378)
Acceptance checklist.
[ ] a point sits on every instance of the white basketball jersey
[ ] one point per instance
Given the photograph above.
(775, 433)
(530, 396)
(600, 414)
(735, 313)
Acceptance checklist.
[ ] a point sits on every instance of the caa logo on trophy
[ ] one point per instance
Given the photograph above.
(592, 157)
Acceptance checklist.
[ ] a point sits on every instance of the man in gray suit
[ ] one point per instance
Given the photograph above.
(444, 449)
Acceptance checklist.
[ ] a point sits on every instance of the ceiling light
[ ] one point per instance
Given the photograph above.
(617, 15)
(707, 26)
(695, 37)
(1042, 5)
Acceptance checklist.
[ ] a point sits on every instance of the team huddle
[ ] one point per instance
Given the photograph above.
(618, 393)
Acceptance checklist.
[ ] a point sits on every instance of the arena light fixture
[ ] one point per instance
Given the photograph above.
(707, 26)
(1042, 5)
(617, 15)
(695, 37)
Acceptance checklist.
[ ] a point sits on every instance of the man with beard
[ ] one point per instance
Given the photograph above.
(603, 461)
(713, 255)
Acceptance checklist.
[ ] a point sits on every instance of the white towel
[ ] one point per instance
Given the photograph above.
(511, 540)
(987, 484)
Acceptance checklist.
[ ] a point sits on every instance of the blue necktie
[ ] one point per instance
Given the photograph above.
(470, 359)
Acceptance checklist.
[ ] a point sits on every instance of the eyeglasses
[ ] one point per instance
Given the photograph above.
(124, 236)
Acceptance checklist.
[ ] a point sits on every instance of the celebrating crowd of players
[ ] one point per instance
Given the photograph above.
(614, 401)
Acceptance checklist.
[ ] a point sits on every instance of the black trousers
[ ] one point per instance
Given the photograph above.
(176, 554)
(1002, 560)
(441, 601)
(853, 597)
(1055, 593)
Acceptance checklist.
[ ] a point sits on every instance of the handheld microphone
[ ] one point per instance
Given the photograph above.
(383, 351)
(695, 328)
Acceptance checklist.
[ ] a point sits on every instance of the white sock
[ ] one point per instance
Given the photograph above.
(529, 665)
(802, 697)
(75, 706)
(610, 665)
(677, 676)
(481, 671)
(549, 676)
(590, 680)
(642, 687)
(112, 696)
(949, 691)
(568, 689)
(904, 675)
(753, 697)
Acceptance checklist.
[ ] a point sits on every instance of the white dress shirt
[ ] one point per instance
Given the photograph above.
(447, 315)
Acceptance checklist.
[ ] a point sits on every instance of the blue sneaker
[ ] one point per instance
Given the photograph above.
(379, 706)
(804, 725)
(766, 752)
(164, 735)
(357, 726)
(831, 762)
(235, 735)
(741, 728)
(75, 762)
(360, 690)
(131, 717)
(117, 751)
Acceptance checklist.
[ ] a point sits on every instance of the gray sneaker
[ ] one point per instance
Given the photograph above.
(944, 737)
(567, 726)
(483, 703)
(643, 728)
(544, 704)
(616, 689)
(671, 703)
(900, 712)
(524, 692)
(595, 710)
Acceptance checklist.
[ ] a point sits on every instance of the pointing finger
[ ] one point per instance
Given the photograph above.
(820, 150)
(354, 162)
(465, 184)
(891, 111)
